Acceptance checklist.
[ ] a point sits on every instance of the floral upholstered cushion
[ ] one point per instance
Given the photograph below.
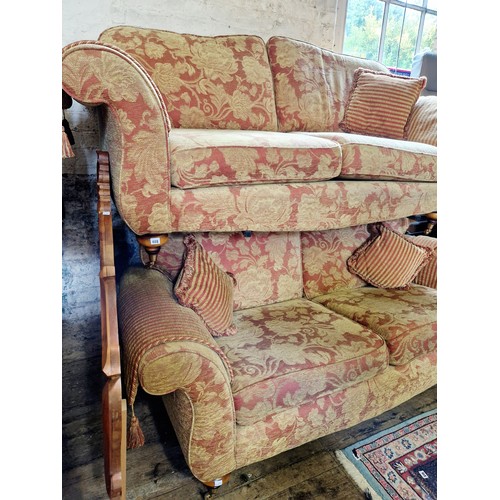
(388, 260)
(266, 266)
(206, 289)
(220, 157)
(370, 157)
(325, 254)
(405, 319)
(292, 352)
(380, 104)
(206, 82)
(311, 84)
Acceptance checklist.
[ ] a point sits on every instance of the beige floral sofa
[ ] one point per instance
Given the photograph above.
(231, 133)
(279, 160)
(315, 348)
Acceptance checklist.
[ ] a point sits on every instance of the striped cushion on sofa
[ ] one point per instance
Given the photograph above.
(428, 275)
(206, 289)
(380, 104)
(388, 260)
(422, 124)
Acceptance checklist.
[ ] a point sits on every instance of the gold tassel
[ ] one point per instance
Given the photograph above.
(135, 436)
(67, 151)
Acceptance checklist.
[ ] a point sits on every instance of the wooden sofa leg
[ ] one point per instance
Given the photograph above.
(216, 483)
(152, 243)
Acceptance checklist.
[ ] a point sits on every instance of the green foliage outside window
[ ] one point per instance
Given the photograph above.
(364, 26)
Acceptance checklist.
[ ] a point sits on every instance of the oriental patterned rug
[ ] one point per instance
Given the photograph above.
(399, 463)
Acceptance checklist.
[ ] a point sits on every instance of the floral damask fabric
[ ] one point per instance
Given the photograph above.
(266, 266)
(207, 82)
(137, 129)
(298, 206)
(369, 157)
(221, 157)
(325, 254)
(311, 84)
(339, 410)
(289, 353)
(405, 319)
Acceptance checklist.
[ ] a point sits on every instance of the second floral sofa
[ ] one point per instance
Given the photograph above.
(290, 346)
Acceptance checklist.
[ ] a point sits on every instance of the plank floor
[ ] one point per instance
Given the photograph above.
(158, 469)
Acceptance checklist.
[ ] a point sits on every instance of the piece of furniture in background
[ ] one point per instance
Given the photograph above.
(425, 224)
(425, 64)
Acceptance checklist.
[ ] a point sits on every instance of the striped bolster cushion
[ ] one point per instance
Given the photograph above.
(428, 275)
(206, 289)
(388, 260)
(380, 103)
(422, 124)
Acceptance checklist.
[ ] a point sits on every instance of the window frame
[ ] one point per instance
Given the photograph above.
(341, 16)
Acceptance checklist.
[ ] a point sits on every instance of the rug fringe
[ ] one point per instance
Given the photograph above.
(356, 475)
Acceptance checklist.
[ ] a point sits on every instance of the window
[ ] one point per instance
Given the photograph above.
(390, 31)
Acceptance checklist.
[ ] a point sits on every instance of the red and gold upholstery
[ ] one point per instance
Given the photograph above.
(405, 319)
(201, 158)
(197, 132)
(221, 82)
(311, 84)
(293, 352)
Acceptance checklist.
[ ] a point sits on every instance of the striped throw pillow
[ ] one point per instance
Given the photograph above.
(380, 104)
(422, 124)
(428, 275)
(206, 289)
(388, 260)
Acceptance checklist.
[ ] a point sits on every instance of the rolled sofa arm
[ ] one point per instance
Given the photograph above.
(167, 348)
(136, 127)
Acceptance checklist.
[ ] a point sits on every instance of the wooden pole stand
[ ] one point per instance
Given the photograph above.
(114, 407)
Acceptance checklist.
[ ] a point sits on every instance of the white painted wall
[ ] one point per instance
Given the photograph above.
(310, 20)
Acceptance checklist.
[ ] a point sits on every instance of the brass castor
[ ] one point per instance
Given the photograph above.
(152, 243)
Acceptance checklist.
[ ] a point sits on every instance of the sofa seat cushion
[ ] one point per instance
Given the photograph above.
(201, 158)
(405, 319)
(367, 157)
(292, 352)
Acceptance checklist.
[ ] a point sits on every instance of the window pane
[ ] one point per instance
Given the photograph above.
(432, 4)
(429, 35)
(398, 54)
(363, 27)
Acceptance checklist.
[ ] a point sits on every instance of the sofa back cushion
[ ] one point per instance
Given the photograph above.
(266, 266)
(312, 84)
(206, 82)
(325, 254)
